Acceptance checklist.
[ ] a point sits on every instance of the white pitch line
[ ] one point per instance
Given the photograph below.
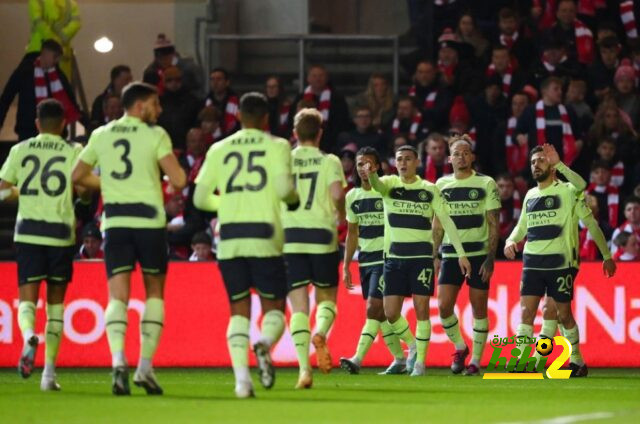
(567, 419)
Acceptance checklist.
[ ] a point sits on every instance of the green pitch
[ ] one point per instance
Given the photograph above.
(206, 396)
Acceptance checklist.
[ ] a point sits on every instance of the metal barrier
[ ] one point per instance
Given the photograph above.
(301, 40)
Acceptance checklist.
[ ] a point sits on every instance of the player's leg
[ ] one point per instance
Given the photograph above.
(298, 280)
(396, 288)
(532, 288)
(325, 278)
(270, 281)
(447, 296)
(237, 281)
(421, 278)
(60, 262)
(32, 269)
(479, 299)
(549, 321)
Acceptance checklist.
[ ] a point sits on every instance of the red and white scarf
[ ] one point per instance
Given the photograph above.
(506, 78)
(56, 89)
(284, 115)
(627, 227)
(568, 140)
(617, 175)
(612, 200)
(429, 100)
(324, 101)
(584, 42)
(628, 18)
(517, 155)
(447, 70)
(230, 113)
(431, 171)
(473, 135)
(509, 40)
(416, 120)
(588, 247)
(548, 66)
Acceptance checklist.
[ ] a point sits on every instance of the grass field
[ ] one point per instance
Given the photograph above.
(206, 395)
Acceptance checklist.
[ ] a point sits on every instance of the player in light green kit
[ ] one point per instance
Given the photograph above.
(474, 205)
(131, 152)
(410, 205)
(365, 216)
(39, 171)
(252, 172)
(548, 221)
(582, 213)
(311, 241)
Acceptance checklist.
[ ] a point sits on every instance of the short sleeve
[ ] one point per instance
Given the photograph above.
(493, 196)
(89, 154)
(207, 175)
(351, 216)
(164, 144)
(335, 172)
(281, 164)
(9, 169)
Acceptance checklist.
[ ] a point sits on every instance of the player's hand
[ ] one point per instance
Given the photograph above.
(346, 277)
(436, 267)
(522, 139)
(368, 168)
(552, 155)
(465, 266)
(510, 249)
(486, 270)
(609, 268)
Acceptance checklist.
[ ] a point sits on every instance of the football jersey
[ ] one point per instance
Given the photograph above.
(312, 228)
(40, 168)
(408, 216)
(244, 168)
(549, 220)
(469, 200)
(127, 151)
(365, 208)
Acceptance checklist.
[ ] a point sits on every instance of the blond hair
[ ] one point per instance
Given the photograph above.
(307, 124)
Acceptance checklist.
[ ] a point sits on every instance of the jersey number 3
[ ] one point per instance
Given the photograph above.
(251, 168)
(128, 166)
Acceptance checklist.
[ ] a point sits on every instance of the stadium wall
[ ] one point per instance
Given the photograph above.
(607, 311)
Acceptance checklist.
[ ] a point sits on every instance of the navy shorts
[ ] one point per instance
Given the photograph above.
(266, 275)
(37, 262)
(557, 283)
(123, 247)
(406, 277)
(321, 269)
(450, 272)
(372, 281)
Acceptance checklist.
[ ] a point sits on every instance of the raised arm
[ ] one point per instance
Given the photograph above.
(554, 160)
(377, 184)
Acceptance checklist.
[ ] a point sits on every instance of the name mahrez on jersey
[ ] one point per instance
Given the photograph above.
(50, 145)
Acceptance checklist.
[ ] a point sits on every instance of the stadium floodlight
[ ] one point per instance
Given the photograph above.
(103, 45)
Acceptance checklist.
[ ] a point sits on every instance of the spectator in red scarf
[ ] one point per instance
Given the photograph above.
(510, 207)
(573, 32)
(210, 119)
(606, 195)
(120, 76)
(603, 69)
(628, 247)
(433, 100)
(225, 99)
(91, 243)
(408, 121)
(632, 219)
(514, 38)
(626, 93)
(432, 153)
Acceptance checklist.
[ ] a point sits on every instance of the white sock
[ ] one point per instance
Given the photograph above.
(355, 360)
(144, 365)
(26, 335)
(49, 370)
(118, 360)
(242, 374)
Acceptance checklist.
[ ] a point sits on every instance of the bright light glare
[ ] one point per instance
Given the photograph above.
(103, 45)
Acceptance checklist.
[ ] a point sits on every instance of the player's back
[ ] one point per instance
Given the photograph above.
(247, 166)
(41, 168)
(127, 152)
(312, 227)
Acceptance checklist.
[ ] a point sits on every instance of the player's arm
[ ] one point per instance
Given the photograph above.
(286, 191)
(350, 246)
(84, 178)
(172, 169)
(554, 160)
(516, 236)
(8, 192)
(8, 177)
(442, 213)
(206, 183)
(337, 196)
(438, 235)
(377, 184)
(486, 270)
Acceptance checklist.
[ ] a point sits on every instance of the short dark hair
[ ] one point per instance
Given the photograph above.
(505, 176)
(253, 106)
(117, 70)
(536, 149)
(137, 91)
(50, 113)
(222, 70)
(600, 164)
(607, 140)
(631, 199)
(405, 98)
(507, 13)
(409, 148)
(622, 238)
(51, 45)
(499, 47)
(367, 151)
(201, 238)
(550, 80)
(609, 42)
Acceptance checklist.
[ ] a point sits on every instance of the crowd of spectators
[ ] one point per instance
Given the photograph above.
(511, 74)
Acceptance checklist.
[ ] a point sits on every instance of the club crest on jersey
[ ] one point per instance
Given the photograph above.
(548, 202)
(379, 205)
(473, 194)
(423, 195)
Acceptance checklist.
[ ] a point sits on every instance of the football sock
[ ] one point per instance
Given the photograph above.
(53, 336)
(423, 334)
(573, 335)
(548, 331)
(402, 330)
(325, 315)
(369, 333)
(116, 326)
(392, 340)
(299, 327)
(150, 331)
(523, 330)
(238, 344)
(26, 319)
(452, 328)
(272, 327)
(480, 333)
